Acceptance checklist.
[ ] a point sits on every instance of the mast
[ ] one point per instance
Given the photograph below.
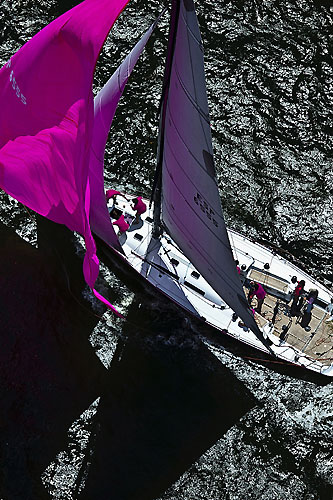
(190, 202)
(157, 184)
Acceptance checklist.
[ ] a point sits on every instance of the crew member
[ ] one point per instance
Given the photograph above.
(111, 193)
(256, 290)
(122, 224)
(140, 208)
(297, 298)
(307, 314)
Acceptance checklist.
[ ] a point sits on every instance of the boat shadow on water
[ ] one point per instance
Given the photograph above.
(203, 330)
(166, 400)
(49, 373)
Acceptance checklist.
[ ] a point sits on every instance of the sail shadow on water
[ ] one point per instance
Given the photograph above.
(49, 373)
(166, 401)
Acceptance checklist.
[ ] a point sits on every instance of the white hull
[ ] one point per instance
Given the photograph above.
(162, 263)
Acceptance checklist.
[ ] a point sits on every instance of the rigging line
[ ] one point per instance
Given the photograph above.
(124, 318)
(79, 302)
(28, 212)
(223, 274)
(237, 296)
(193, 100)
(155, 265)
(156, 188)
(70, 291)
(145, 238)
(298, 353)
(74, 296)
(286, 363)
(324, 352)
(140, 243)
(322, 340)
(177, 282)
(166, 252)
(153, 248)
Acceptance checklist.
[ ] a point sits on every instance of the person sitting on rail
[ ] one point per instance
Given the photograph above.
(140, 208)
(258, 290)
(111, 193)
(122, 224)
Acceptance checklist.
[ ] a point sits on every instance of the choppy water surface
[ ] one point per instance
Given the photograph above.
(156, 408)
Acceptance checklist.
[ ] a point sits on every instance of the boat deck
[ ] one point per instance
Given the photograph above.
(168, 270)
(316, 341)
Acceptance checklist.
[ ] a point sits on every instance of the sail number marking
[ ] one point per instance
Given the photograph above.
(205, 208)
(15, 86)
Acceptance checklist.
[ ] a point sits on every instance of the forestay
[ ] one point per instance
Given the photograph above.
(191, 209)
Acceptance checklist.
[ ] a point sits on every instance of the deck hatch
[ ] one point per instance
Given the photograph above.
(266, 273)
(195, 275)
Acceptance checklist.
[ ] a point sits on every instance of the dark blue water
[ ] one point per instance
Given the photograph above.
(157, 407)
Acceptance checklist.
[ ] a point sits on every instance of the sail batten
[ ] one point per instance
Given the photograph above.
(181, 225)
(194, 158)
(192, 99)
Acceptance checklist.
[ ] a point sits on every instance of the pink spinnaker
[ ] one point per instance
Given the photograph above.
(46, 119)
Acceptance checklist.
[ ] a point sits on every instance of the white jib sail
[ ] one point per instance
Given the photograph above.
(105, 104)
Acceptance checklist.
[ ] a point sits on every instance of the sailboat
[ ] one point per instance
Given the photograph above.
(52, 142)
(181, 245)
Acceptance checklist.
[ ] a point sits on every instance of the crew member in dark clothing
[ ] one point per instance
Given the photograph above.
(307, 314)
(297, 299)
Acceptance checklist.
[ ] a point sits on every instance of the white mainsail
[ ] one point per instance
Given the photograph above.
(190, 202)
